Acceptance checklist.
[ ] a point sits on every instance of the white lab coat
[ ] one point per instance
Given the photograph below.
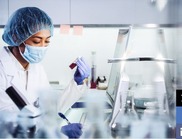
(30, 82)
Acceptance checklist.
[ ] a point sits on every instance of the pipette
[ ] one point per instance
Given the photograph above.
(64, 117)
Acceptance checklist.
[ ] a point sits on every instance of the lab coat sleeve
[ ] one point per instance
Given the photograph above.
(70, 95)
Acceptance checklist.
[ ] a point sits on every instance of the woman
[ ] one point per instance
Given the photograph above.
(28, 33)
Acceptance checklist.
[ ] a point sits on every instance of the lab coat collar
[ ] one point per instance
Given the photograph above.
(7, 59)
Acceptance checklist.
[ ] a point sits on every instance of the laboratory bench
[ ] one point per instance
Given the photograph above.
(78, 113)
(78, 109)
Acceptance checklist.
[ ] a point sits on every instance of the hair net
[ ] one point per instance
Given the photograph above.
(24, 23)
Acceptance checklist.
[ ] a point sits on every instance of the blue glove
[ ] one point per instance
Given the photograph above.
(82, 71)
(73, 130)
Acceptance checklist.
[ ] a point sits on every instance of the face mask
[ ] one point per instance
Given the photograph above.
(33, 54)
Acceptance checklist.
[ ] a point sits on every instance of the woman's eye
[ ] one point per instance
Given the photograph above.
(47, 41)
(35, 42)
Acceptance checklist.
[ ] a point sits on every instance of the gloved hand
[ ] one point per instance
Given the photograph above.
(73, 130)
(82, 71)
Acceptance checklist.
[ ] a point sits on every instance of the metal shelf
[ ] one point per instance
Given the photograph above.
(116, 60)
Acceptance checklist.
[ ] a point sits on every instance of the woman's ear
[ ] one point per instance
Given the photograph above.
(22, 47)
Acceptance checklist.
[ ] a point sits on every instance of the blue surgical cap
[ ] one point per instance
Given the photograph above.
(24, 23)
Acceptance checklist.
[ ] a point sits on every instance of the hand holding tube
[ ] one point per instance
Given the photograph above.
(73, 130)
(82, 71)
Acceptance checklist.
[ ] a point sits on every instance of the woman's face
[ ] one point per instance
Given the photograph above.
(40, 39)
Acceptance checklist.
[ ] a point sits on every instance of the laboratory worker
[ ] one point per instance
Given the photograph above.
(28, 33)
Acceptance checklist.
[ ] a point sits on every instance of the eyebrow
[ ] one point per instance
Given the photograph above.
(39, 37)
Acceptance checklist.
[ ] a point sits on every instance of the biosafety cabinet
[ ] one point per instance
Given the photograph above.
(142, 84)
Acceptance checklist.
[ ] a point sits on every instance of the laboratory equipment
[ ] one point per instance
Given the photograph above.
(101, 83)
(64, 117)
(93, 83)
(7, 124)
(27, 117)
(49, 122)
(114, 77)
(151, 81)
(123, 111)
(95, 125)
(73, 64)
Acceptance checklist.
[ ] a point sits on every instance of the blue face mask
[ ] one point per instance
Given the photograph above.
(33, 54)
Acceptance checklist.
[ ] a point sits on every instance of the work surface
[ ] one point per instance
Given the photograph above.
(93, 107)
(76, 112)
